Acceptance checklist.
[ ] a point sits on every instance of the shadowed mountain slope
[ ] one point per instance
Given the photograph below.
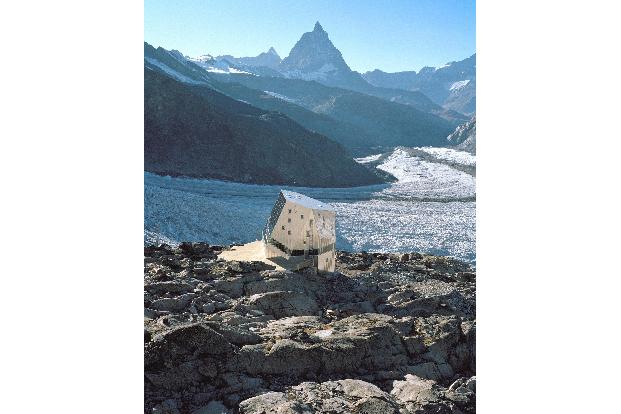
(198, 132)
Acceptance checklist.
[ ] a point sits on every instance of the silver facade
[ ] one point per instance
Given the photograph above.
(301, 232)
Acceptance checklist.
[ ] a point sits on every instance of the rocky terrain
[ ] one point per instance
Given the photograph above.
(464, 137)
(385, 333)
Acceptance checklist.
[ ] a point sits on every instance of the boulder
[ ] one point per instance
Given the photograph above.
(185, 355)
(335, 397)
(174, 304)
(281, 304)
(463, 393)
(416, 389)
(359, 343)
(419, 395)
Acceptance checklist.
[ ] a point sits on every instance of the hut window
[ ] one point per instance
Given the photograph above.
(283, 227)
(289, 220)
(307, 234)
(289, 211)
(301, 216)
(289, 232)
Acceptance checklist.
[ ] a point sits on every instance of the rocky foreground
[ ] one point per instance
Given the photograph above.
(385, 333)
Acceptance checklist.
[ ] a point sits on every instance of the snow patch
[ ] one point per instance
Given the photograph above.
(210, 64)
(368, 158)
(201, 59)
(238, 71)
(171, 72)
(320, 74)
(459, 85)
(227, 71)
(281, 97)
(444, 66)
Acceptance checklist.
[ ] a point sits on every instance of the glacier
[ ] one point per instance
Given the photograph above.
(430, 209)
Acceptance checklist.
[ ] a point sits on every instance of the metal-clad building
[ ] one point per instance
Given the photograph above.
(301, 232)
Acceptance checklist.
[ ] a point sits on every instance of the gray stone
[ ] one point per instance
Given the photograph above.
(415, 389)
(264, 340)
(172, 286)
(336, 397)
(281, 304)
(175, 304)
(426, 370)
(214, 407)
(232, 286)
(420, 395)
(166, 407)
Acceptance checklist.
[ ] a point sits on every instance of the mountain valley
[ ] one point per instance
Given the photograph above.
(309, 103)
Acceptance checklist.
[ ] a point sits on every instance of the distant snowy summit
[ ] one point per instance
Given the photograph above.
(451, 87)
(314, 57)
(216, 65)
(269, 59)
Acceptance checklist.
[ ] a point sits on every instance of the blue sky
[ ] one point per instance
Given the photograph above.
(391, 35)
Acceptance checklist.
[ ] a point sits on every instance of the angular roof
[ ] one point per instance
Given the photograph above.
(306, 201)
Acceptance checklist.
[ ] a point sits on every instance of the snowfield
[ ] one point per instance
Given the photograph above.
(430, 209)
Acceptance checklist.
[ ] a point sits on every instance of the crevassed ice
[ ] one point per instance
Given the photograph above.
(431, 209)
(452, 155)
(419, 179)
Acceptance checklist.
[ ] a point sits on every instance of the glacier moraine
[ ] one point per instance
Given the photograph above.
(430, 209)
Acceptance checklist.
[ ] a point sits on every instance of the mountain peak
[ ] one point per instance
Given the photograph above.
(272, 51)
(314, 52)
(314, 57)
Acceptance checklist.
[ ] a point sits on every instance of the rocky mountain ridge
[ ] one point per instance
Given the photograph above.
(314, 57)
(195, 131)
(453, 85)
(464, 137)
(385, 333)
(356, 120)
(269, 59)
